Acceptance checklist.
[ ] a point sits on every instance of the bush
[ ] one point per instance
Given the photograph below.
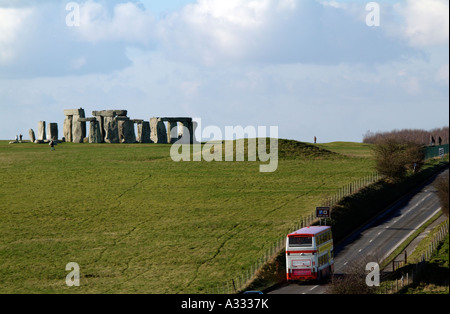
(442, 189)
(393, 159)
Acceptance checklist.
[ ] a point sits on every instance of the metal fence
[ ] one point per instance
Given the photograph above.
(435, 151)
(410, 277)
(351, 189)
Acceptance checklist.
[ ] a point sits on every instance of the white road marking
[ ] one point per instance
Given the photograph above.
(409, 234)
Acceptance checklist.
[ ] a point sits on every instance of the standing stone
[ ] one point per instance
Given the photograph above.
(95, 134)
(172, 132)
(158, 132)
(52, 131)
(194, 127)
(67, 129)
(41, 131)
(78, 127)
(143, 132)
(154, 130)
(126, 130)
(162, 133)
(32, 136)
(185, 132)
(111, 130)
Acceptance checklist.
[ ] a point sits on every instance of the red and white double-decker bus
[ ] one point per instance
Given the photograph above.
(309, 254)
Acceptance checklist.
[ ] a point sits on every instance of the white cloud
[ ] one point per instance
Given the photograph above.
(128, 22)
(215, 29)
(272, 31)
(12, 21)
(426, 22)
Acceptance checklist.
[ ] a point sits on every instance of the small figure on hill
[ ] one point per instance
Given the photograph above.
(315, 140)
(20, 137)
(52, 145)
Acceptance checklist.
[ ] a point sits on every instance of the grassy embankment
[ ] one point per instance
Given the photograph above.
(137, 222)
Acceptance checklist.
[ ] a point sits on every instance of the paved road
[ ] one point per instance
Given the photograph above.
(378, 239)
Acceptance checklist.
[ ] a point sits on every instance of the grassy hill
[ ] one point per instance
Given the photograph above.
(137, 222)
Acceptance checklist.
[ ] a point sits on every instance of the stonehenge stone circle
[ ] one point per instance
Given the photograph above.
(114, 126)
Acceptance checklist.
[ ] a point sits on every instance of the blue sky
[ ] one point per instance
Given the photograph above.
(161, 8)
(310, 67)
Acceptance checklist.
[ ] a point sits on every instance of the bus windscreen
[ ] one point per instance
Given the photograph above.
(300, 241)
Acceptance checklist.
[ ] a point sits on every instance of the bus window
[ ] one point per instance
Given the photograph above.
(300, 241)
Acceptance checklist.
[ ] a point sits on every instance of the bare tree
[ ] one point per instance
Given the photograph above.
(417, 136)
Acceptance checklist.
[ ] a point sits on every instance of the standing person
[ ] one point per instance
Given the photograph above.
(315, 140)
(20, 137)
(52, 145)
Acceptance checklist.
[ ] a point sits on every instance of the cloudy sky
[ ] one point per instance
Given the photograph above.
(310, 67)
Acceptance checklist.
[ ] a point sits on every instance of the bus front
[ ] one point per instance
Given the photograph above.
(301, 257)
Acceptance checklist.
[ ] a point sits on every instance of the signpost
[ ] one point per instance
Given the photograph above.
(323, 212)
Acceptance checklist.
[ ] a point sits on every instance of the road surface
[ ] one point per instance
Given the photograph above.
(377, 240)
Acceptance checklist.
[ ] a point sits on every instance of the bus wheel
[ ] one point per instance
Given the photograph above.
(319, 277)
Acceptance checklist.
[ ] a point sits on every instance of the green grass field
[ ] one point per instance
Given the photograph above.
(137, 222)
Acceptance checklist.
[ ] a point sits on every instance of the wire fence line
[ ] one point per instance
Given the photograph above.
(242, 281)
(412, 276)
(352, 188)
